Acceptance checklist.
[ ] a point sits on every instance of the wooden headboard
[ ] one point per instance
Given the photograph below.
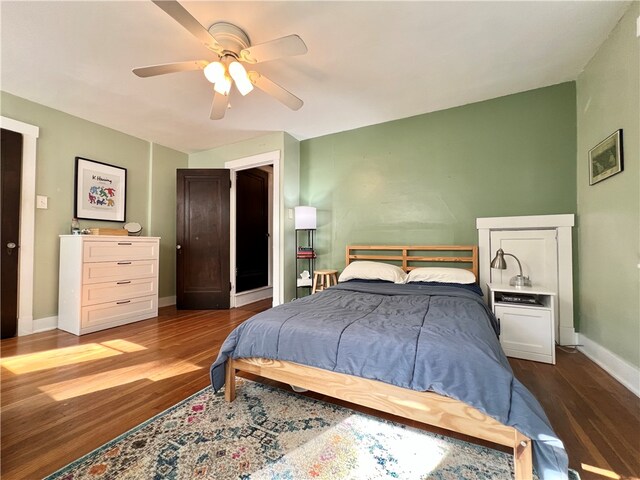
(410, 257)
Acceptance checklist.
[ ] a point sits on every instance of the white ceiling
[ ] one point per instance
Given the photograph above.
(368, 62)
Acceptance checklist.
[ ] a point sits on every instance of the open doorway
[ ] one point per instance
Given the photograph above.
(254, 218)
(250, 286)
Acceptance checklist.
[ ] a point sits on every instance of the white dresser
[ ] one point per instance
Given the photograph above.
(106, 281)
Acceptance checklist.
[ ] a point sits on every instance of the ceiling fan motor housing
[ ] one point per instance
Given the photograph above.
(232, 38)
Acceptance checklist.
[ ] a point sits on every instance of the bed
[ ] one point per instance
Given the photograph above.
(327, 343)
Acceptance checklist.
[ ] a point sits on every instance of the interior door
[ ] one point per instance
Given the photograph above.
(202, 234)
(252, 229)
(10, 180)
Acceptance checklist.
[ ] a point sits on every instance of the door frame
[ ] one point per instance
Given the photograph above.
(277, 265)
(26, 251)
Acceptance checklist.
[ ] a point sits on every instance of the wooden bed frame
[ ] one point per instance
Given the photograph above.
(426, 407)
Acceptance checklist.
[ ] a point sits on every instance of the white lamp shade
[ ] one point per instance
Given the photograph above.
(305, 218)
(214, 71)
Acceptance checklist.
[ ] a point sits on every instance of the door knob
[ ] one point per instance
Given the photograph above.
(10, 247)
(178, 247)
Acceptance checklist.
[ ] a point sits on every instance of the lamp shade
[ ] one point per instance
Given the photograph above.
(498, 261)
(305, 218)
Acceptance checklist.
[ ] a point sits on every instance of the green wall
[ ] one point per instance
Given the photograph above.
(216, 157)
(162, 211)
(425, 179)
(608, 98)
(62, 138)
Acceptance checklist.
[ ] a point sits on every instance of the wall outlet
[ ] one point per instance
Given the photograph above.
(42, 201)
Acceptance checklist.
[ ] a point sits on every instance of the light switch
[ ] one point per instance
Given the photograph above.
(290, 212)
(42, 201)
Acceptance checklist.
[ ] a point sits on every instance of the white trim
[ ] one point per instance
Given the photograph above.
(268, 158)
(562, 224)
(250, 296)
(27, 222)
(45, 324)
(167, 301)
(624, 372)
(527, 221)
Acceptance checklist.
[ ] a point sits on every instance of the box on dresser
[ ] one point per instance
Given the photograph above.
(106, 281)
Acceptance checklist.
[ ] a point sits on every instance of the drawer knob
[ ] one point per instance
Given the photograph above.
(124, 282)
(126, 301)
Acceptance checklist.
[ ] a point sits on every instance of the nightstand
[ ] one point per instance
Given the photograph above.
(527, 330)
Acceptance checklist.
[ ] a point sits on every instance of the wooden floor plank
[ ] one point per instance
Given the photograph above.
(62, 395)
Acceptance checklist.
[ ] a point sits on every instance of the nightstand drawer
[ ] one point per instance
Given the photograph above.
(526, 332)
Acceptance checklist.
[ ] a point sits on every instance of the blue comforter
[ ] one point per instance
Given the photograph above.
(441, 339)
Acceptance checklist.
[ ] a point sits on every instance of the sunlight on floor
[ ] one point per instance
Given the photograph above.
(599, 471)
(59, 357)
(153, 371)
(360, 447)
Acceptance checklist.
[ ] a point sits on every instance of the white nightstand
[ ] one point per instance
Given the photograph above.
(526, 330)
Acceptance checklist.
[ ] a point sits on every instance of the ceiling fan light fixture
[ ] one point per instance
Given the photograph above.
(223, 85)
(214, 72)
(240, 77)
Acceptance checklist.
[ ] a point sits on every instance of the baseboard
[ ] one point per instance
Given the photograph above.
(245, 298)
(45, 324)
(624, 372)
(568, 336)
(166, 301)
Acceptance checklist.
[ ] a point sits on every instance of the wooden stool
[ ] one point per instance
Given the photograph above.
(322, 279)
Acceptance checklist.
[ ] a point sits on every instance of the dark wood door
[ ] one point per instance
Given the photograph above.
(202, 234)
(10, 180)
(252, 229)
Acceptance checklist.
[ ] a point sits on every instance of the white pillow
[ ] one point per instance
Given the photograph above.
(363, 270)
(442, 275)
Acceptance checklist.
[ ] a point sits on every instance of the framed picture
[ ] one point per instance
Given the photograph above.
(605, 159)
(101, 191)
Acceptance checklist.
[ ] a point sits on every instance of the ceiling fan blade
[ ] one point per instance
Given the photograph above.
(219, 106)
(184, 18)
(282, 47)
(153, 70)
(275, 90)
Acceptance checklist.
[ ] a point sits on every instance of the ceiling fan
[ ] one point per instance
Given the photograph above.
(232, 47)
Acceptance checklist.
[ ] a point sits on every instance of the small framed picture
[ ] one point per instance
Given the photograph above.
(100, 191)
(605, 159)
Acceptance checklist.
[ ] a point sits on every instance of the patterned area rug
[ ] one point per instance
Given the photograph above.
(268, 433)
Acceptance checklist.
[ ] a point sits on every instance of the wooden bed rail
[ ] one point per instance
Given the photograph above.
(425, 407)
(410, 255)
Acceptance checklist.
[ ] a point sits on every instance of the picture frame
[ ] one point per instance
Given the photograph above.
(100, 191)
(605, 159)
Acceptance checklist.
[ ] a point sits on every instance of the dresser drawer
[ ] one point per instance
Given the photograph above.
(104, 315)
(114, 271)
(121, 290)
(97, 251)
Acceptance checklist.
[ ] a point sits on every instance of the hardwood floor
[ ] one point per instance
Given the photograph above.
(63, 396)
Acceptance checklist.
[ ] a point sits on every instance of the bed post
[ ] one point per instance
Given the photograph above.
(522, 457)
(229, 381)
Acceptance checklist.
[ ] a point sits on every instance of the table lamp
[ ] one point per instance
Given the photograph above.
(499, 263)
